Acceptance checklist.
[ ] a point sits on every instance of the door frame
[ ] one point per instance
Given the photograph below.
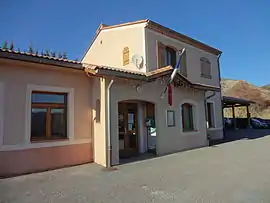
(136, 123)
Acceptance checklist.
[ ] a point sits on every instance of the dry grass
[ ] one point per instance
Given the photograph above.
(244, 90)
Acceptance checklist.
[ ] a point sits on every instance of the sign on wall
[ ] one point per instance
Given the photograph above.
(170, 118)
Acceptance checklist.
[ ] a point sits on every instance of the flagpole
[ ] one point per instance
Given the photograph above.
(175, 69)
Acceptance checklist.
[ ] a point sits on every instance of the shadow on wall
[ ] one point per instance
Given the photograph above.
(234, 135)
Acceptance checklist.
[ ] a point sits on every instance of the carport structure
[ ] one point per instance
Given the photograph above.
(232, 102)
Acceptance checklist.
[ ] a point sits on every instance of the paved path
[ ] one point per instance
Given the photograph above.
(232, 172)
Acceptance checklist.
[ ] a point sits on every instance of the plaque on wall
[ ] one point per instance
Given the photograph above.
(170, 118)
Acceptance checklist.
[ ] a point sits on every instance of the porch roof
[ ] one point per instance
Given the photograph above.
(180, 80)
(232, 101)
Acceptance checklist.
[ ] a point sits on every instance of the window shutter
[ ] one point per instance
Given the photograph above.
(183, 65)
(125, 56)
(202, 66)
(205, 68)
(208, 68)
(161, 54)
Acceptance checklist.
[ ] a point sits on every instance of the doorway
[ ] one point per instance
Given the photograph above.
(128, 129)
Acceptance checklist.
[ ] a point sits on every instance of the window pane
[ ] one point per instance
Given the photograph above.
(210, 115)
(38, 123)
(187, 116)
(48, 98)
(58, 123)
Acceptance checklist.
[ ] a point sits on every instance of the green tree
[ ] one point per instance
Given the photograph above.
(19, 50)
(60, 55)
(5, 45)
(36, 52)
(47, 52)
(11, 46)
(53, 54)
(42, 53)
(30, 49)
(64, 55)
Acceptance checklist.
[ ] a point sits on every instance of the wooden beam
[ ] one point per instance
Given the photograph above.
(248, 117)
(234, 120)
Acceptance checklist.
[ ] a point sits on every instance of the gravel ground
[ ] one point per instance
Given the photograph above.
(234, 172)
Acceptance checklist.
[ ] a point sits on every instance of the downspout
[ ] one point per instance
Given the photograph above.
(205, 109)
(109, 146)
(213, 94)
(219, 74)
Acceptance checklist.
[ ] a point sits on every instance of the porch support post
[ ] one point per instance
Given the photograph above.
(234, 120)
(248, 117)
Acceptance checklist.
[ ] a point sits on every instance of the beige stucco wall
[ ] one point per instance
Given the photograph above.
(193, 70)
(99, 130)
(217, 132)
(107, 49)
(193, 57)
(16, 77)
(169, 139)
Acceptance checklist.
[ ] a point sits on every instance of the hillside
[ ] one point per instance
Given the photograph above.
(267, 87)
(244, 90)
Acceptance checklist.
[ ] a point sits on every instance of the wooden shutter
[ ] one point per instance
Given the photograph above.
(208, 68)
(183, 65)
(202, 66)
(161, 54)
(173, 58)
(125, 56)
(205, 68)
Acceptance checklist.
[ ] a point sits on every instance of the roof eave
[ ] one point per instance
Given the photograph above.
(186, 40)
(40, 60)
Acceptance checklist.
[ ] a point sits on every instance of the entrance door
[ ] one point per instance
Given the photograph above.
(128, 129)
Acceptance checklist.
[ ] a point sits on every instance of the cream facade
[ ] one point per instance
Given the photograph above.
(113, 101)
(107, 50)
(193, 55)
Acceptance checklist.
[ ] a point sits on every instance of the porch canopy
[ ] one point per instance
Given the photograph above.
(236, 102)
(232, 102)
(180, 80)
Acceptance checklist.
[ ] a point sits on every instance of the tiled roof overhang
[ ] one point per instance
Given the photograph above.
(102, 71)
(35, 58)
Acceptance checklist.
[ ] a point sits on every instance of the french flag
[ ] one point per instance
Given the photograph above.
(175, 69)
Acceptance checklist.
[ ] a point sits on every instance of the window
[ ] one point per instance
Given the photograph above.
(166, 55)
(48, 116)
(210, 115)
(187, 117)
(170, 58)
(205, 68)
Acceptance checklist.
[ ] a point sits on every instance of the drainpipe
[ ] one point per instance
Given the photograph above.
(205, 109)
(219, 74)
(109, 146)
(213, 94)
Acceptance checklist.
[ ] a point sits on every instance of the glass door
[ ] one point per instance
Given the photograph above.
(128, 129)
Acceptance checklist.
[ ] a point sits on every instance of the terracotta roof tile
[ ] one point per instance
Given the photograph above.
(38, 55)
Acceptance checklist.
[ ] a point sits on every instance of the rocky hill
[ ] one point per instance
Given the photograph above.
(266, 87)
(244, 90)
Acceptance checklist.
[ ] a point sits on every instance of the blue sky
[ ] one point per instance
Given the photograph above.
(241, 28)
